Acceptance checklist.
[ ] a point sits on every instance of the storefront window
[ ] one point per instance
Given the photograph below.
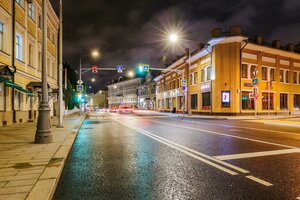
(17, 100)
(244, 71)
(205, 100)
(2, 97)
(296, 101)
(247, 102)
(283, 101)
(265, 99)
(194, 99)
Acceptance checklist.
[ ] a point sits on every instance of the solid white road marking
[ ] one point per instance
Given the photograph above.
(265, 183)
(281, 124)
(243, 127)
(257, 154)
(228, 135)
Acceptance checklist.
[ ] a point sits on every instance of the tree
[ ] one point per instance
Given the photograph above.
(70, 91)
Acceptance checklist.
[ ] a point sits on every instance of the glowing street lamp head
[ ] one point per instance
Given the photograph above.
(93, 79)
(115, 86)
(173, 37)
(95, 53)
(130, 74)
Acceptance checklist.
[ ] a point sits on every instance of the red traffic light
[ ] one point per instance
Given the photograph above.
(94, 67)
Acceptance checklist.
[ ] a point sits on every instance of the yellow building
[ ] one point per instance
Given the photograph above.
(233, 74)
(17, 86)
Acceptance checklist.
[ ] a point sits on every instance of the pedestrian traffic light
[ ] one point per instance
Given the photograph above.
(94, 69)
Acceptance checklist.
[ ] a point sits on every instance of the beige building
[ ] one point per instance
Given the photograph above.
(98, 99)
(233, 74)
(18, 84)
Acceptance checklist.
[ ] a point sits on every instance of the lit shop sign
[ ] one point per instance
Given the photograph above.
(205, 87)
(225, 98)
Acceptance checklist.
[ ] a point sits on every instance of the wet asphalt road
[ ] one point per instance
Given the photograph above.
(136, 156)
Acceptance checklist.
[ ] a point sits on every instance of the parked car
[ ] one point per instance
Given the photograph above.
(125, 109)
(113, 110)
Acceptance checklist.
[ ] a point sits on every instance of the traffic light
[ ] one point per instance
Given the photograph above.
(94, 69)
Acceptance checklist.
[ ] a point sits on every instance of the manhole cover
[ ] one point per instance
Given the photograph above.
(22, 165)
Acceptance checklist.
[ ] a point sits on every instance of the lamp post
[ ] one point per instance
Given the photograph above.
(43, 133)
(94, 54)
(60, 71)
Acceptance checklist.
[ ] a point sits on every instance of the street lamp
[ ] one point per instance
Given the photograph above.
(173, 37)
(130, 74)
(93, 79)
(43, 132)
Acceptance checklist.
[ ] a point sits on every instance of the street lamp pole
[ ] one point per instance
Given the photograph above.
(60, 100)
(43, 133)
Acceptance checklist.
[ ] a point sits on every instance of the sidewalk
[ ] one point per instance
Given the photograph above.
(31, 171)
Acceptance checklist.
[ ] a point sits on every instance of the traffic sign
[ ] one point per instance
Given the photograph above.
(183, 88)
(183, 82)
(146, 68)
(120, 68)
(80, 82)
(79, 88)
(254, 81)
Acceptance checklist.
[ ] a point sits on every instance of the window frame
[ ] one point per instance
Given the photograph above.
(19, 47)
(31, 11)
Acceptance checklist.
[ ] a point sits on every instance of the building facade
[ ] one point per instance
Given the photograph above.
(20, 85)
(124, 93)
(99, 99)
(233, 74)
(147, 94)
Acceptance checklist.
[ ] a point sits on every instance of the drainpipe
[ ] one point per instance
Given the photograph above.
(13, 3)
(210, 99)
(241, 102)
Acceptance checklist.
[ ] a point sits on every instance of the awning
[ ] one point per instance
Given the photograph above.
(15, 86)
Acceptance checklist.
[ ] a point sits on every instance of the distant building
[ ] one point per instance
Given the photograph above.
(146, 94)
(20, 91)
(231, 72)
(124, 93)
(99, 99)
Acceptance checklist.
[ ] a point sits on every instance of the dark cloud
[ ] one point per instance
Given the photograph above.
(130, 32)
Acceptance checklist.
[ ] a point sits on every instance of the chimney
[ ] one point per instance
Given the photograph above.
(276, 44)
(290, 47)
(216, 32)
(259, 39)
(235, 30)
(200, 45)
(187, 52)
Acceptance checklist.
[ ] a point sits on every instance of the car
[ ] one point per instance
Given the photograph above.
(125, 109)
(113, 110)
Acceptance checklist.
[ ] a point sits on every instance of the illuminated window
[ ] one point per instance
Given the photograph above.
(296, 101)
(265, 99)
(19, 46)
(31, 10)
(247, 102)
(283, 101)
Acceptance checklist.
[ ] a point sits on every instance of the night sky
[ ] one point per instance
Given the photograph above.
(130, 32)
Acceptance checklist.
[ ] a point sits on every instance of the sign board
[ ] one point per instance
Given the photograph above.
(248, 85)
(183, 82)
(146, 68)
(79, 88)
(120, 68)
(80, 82)
(255, 81)
(225, 98)
(183, 88)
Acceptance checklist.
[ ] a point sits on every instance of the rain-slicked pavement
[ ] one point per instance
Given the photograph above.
(157, 157)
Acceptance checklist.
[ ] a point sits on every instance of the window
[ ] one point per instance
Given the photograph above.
(194, 101)
(31, 10)
(281, 76)
(19, 46)
(247, 102)
(195, 77)
(40, 21)
(244, 71)
(295, 77)
(20, 2)
(1, 36)
(181, 106)
(265, 99)
(169, 103)
(2, 97)
(163, 103)
(264, 73)
(253, 71)
(272, 74)
(191, 79)
(287, 76)
(17, 100)
(205, 100)
(30, 55)
(202, 75)
(296, 101)
(283, 101)
(208, 73)
(173, 84)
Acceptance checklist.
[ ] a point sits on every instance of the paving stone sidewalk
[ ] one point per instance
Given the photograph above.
(29, 170)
